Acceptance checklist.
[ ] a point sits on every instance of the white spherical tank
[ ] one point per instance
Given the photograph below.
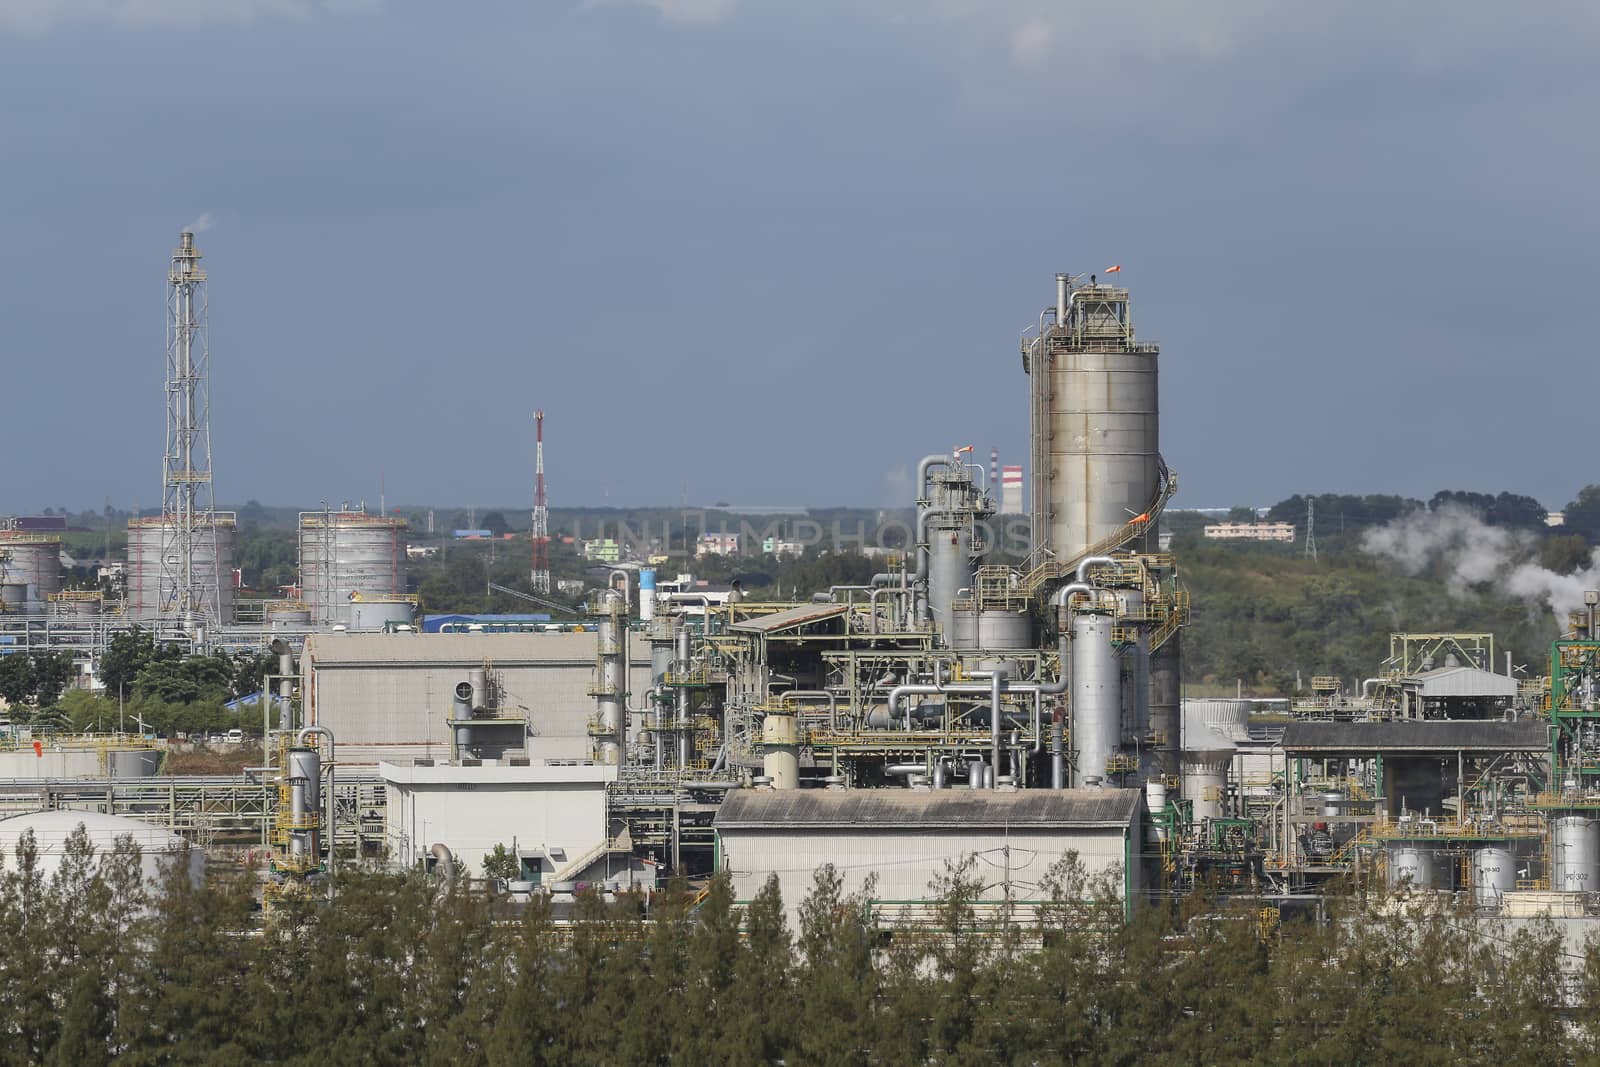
(159, 848)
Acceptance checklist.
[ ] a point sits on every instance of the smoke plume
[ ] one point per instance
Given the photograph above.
(1476, 556)
(201, 224)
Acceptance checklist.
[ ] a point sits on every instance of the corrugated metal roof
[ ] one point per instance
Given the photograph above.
(468, 649)
(1461, 682)
(890, 809)
(789, 617)
(1529, 735)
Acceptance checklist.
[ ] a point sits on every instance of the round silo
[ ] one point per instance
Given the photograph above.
(380, 613)
(348, 557)
(1410, 865)
(33, 559)
(1096, 413)
(1494, 874)
(1096, 696)
(1574, 854)
(156, 571)
(287, 614)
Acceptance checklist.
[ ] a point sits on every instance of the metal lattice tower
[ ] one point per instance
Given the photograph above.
(189, 545)
(1311, 528)
(541, 512)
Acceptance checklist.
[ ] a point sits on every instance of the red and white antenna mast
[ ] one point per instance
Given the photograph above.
(541, 512)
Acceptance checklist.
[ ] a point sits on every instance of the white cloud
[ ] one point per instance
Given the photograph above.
(42, 14)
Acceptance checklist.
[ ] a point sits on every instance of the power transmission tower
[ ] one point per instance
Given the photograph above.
(541, 512)
(190, 568)
(1311, 529)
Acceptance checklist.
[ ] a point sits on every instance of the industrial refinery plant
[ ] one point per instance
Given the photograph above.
(888, 728)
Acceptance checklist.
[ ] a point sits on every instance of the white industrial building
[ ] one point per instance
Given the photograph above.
(905, 840)
(552, 815)
(389, 696)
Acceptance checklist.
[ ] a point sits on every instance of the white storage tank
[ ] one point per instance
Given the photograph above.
(34, 560)
(1411, 865)
(349, 556)
(158, 847)
(1494, 874)
(1574, 854)
(154, 568)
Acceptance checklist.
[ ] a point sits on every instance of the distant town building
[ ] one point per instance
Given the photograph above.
(569, 586)
(421, 551)
(1555, 518)
(602, 550)
(1011, 490)
(777, 546)
(471, 535)
(717, 544)
(1250, 531)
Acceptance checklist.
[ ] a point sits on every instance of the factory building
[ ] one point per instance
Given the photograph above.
(391, 696)
(901, 842)
(553, 816)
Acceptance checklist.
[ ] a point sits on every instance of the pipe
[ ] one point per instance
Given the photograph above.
(461, 705)
(1058, 765)
(997, 679)
(923, 466)
(444, 867)
(1063, 296)
(815, 694)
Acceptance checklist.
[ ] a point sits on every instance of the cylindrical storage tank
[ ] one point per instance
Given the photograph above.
(1096, 696)
(1205, 783)
(346, 556)
(1574, 854)
(1136, 667)
(33, 560)
(1166, 693)
(305, 766)
(13, 597)
(156, 569)
(287, 615)
(1225, 717)
(647, 593)
(1494, 874)
(999, 629)
(1102, 426)
(1155, 797)
(963, 629)
(950, 566)
(380, 614)
(780, 742)
(158, 847)
(1410, 864)
(1332, 804)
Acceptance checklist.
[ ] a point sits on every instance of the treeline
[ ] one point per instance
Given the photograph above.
(148, 687)
(97, 971)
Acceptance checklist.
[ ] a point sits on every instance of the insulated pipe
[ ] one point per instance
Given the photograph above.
(997, 679)
(1063, 289)
(925, 464)
(444, 866)
(1058, 766)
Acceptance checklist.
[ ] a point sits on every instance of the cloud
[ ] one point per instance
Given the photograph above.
(42, 14)
(690, 11)
(1474, 555)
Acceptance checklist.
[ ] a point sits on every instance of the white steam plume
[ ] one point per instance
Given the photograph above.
(201, 224)
(1476, 555)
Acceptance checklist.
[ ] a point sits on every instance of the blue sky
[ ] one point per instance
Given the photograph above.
(773, 253)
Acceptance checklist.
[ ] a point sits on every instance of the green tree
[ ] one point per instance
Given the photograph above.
(52, 673)
(17, 680)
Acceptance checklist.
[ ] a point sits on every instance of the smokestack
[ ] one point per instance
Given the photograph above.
(1061, 299)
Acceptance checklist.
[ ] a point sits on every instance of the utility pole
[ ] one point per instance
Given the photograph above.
(540, 582)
